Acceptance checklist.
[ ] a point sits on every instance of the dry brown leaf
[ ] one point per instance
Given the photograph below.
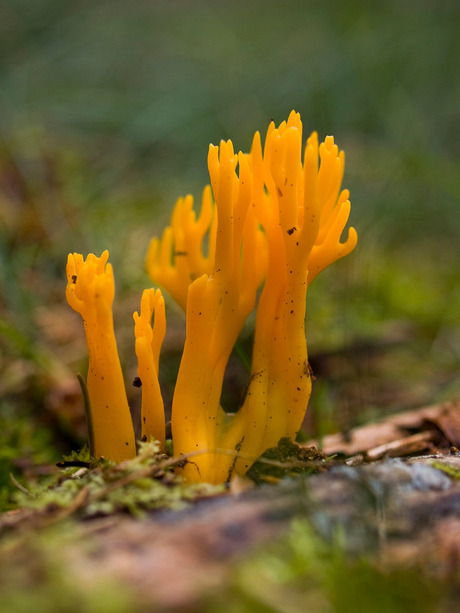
(397, 432)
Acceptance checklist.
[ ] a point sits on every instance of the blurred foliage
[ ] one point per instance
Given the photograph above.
(34, 561)
(297, 572)
(108, 108)
(303, 573)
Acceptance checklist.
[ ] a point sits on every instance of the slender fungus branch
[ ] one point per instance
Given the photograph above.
(90, 291)
(298, 208)
(218, 304)
(148, 344)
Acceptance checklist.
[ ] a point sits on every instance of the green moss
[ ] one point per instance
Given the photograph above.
(97, 487)
(286, 459)
(449, 469)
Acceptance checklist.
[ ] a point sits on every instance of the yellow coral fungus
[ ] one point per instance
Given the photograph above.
(303, 213)
(271, 218)
(297, 203)
(90, 291)
(148, 344)
(178, 259)
(217, 307)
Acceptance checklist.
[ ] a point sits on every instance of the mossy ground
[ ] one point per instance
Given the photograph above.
(299, 569)
(87, 487)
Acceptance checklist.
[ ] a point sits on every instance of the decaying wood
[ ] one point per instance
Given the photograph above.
(174, 557)
(398, 512)
(402, 434)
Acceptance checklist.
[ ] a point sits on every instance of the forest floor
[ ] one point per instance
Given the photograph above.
(385, 504)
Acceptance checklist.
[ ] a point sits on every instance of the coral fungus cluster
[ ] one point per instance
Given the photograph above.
(269, 220)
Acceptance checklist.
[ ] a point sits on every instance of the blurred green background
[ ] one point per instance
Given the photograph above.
(107, 110)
